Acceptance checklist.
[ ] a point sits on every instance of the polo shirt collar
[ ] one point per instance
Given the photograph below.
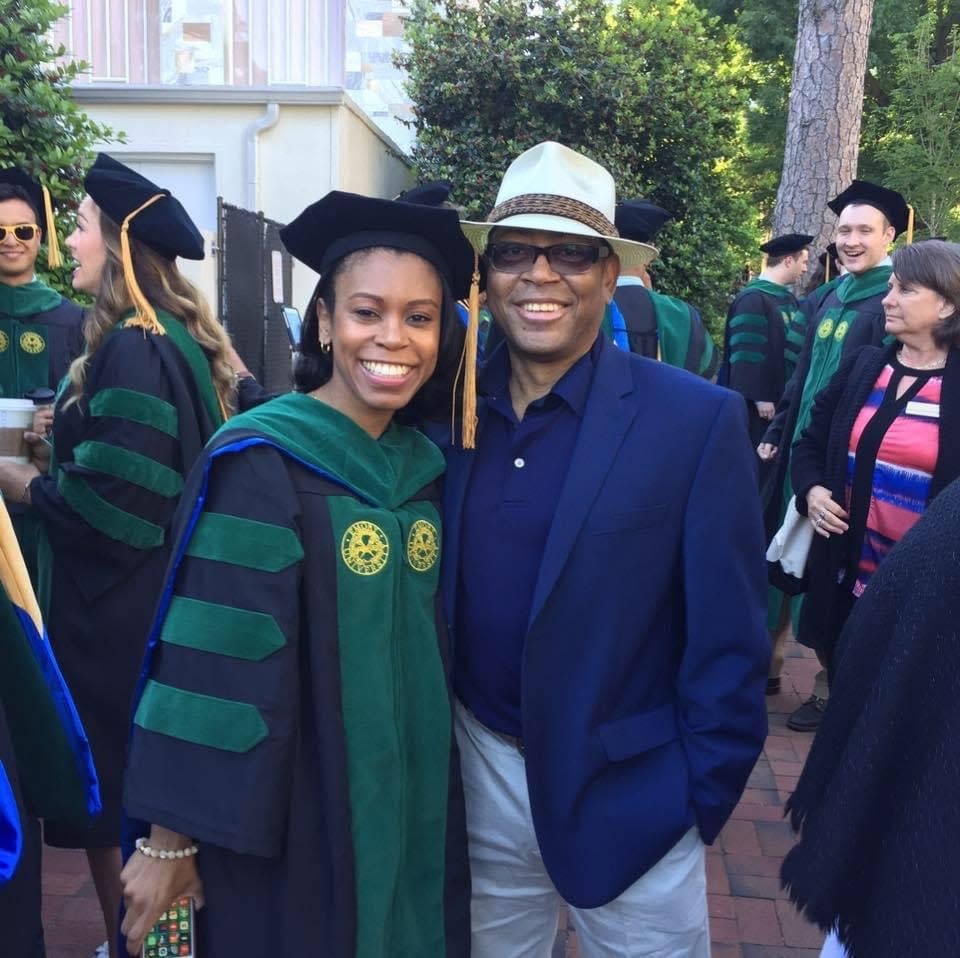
(573, 387)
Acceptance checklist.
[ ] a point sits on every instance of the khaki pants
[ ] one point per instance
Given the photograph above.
(515, 910)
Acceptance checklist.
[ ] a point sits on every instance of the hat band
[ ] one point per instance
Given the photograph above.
(551, 204)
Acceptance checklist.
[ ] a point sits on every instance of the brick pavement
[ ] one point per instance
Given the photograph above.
(749, 915)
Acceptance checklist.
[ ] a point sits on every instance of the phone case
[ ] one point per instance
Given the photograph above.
(173, 935)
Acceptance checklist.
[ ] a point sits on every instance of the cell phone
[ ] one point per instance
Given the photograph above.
(173, 935)
(293, 322)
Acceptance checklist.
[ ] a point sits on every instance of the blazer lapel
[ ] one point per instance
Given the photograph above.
(455, 481)
(606, 419)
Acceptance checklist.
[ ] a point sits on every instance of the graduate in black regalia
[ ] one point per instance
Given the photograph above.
(134, 413)
(296, 682)
(41, 332)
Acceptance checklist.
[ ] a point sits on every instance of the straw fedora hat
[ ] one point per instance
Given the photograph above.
(554, 189)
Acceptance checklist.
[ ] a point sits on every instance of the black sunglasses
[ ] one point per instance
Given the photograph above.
(564, 258)
(22, 231)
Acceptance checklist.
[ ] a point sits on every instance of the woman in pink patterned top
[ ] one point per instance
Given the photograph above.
(883, 439)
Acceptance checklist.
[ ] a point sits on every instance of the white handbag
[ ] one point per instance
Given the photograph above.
(790, 547)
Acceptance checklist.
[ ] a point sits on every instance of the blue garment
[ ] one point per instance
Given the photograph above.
(11, 837)
(618, 327)
(514, 488)
(646, 651)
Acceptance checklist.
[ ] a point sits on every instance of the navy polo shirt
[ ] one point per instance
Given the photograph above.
(510, 502)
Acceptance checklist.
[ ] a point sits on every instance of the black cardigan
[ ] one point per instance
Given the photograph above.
(820, 458)
(877, 801)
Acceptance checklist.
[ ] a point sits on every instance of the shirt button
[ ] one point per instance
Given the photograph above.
(519, 462)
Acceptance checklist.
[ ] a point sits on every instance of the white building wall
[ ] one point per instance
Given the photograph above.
(206, 145)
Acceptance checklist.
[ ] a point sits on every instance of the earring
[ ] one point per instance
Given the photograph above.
(325, 347)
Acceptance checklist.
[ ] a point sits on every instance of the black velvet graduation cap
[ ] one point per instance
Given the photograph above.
(829, 259)
(640, 220)
(427, 194)
(343, 223)
(42, 203)
(154, 216)
(786, 244)
(889, 202)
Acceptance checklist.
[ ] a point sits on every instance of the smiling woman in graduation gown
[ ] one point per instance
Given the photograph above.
(294, 723)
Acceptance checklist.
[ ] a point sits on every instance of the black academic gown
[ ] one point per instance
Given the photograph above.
(297, 683)
(121, 454)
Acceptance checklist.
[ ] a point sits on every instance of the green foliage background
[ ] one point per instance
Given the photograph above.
(42, 130)
(655, 90)
(907, 98)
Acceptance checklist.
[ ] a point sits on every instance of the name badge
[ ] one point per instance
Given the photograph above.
(929, 410)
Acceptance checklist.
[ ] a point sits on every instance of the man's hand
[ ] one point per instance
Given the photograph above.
(766, 451)
(765, 410)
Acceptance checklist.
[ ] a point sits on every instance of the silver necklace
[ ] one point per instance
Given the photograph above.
(936, 364)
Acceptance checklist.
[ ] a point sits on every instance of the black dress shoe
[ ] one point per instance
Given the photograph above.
(807, 717)
(773, 685)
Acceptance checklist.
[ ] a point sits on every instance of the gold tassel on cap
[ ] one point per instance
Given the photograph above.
(826, 268)
(909, 224)
(146, 317)
(470, 359)
(54, 259)
(468, 366)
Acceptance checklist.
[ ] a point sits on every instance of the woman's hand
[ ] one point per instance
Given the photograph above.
(15, 478)
(150, 885)
(40, 450)
(42, 420)
(826, 515)
(766, 451)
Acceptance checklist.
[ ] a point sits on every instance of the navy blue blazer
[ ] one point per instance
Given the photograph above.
(646, 655)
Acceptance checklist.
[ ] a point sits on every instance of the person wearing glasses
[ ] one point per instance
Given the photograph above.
(41, 333)
(134, 412)
(604, 581)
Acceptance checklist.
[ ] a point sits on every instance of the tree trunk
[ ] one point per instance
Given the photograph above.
(823, 124)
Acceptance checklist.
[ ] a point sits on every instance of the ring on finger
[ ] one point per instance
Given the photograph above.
(821, 514)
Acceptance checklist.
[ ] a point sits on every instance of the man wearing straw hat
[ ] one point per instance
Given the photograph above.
(604, 586)
(41, 332)
(870, 217)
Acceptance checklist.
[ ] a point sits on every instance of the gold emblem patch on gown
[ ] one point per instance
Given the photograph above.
(825, 328)
(423, 545)
(364, 548)
(4, 341)
(31, 342)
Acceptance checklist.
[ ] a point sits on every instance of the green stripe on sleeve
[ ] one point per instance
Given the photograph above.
(221, 629)
(244, 542)
(202, 719)
(136, 406)
(745, 356)
(796, 337)
(748, 319)
(738, 339)
(129, 465)
(107, 518)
